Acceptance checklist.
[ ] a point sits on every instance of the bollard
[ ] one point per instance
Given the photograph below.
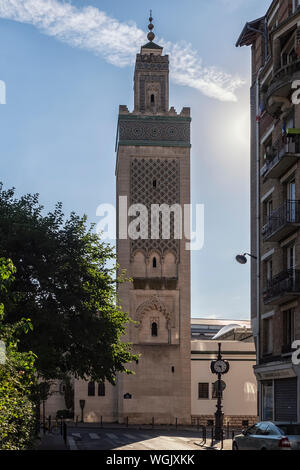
(198, 421)
(127, 422)
(204, 434)
(76, 420)
(212, 437)
(222, 439)
(65, 433)
(176, 422)
(49, 423)
(61, 427)
(228, 430)
(153, 422)
(232, 434)
(101, 422)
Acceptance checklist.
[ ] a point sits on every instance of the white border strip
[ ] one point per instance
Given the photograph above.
(71, 444)
(268, 315)
(268, 254)
(267, 134)
(268, 194)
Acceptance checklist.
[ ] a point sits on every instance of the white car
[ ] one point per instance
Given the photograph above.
(269, 435)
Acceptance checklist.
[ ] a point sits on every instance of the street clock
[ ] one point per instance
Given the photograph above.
(219, 366)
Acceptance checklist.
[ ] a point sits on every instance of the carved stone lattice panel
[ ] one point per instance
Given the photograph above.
(155, 181)
(154, 131)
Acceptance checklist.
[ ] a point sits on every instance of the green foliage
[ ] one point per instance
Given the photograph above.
(17, 377)
(64, 281)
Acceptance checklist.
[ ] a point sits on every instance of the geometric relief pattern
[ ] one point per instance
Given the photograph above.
(154, 131)
(154, 304)
(165, 173)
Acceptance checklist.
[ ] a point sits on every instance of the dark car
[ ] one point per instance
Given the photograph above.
(269, 435)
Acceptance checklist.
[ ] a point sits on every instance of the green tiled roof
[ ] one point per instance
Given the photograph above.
(151, 45)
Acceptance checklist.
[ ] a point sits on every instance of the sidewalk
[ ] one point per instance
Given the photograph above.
(51, 442)
(156, 427)
(227, 445)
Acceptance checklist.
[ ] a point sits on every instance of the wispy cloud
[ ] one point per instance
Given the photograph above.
(91, 29)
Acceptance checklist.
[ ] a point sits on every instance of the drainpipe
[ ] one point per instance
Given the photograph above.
(258, 223)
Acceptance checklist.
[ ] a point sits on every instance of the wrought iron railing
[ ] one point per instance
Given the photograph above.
(287, 70)
(287, 213)
(289, 144)
(285, 282)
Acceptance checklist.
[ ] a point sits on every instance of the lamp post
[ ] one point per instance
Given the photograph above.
(82, 405)
(219, 367)
(242, 259)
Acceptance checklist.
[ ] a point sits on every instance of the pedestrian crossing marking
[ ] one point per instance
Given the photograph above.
(93, 435)
(71, 443)
(112, 436)
(130, 436)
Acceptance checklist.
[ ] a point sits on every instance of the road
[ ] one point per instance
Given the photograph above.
(131, 439)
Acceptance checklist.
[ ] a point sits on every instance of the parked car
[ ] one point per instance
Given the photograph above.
(269, 435)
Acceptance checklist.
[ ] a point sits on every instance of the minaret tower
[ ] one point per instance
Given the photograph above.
(153, 167)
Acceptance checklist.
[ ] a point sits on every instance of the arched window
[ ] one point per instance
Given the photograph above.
(152, 99)
(154, 184)
(154, 262)
(101, 389)
(91, 389)
(154, 329)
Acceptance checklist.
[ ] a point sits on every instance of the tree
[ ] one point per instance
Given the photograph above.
(17, 378)
(64, 281)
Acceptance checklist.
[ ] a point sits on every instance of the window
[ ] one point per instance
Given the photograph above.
(101, 389)
(152, 99)
(269, 271)
(154, 329)
(267, 336)
(296, 4)
(288, 329)
(291, 196)
(268, 149)
(154, 184)
(291, 256)
(267, 400)
(203, 391)
(91, 389)
(154, 262)
(253, 430)
(263, 429)
(268, 209)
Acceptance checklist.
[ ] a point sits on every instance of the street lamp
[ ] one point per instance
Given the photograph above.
(242, 258)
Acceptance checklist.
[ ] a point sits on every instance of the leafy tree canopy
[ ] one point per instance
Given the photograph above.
(64, 284)
(18, 386)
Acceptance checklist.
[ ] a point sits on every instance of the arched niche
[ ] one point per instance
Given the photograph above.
(169, 267)
(138, 265)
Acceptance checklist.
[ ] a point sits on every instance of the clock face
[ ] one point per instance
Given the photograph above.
(220, 367)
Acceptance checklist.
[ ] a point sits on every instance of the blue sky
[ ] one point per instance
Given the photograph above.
(68, 65)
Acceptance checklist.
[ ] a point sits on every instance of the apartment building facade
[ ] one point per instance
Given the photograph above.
(275, 205)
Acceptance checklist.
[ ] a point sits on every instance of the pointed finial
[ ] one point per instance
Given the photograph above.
(150, 35)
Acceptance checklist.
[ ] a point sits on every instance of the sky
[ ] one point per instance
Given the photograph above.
(67, 65)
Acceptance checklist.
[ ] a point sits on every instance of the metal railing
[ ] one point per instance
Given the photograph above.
(285, 282)
(287, 70)
(289, 144)
(287, 213)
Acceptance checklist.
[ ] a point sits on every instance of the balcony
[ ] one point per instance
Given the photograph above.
(283, 288)
(282, 155)
(282, 222)
(281, 87)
